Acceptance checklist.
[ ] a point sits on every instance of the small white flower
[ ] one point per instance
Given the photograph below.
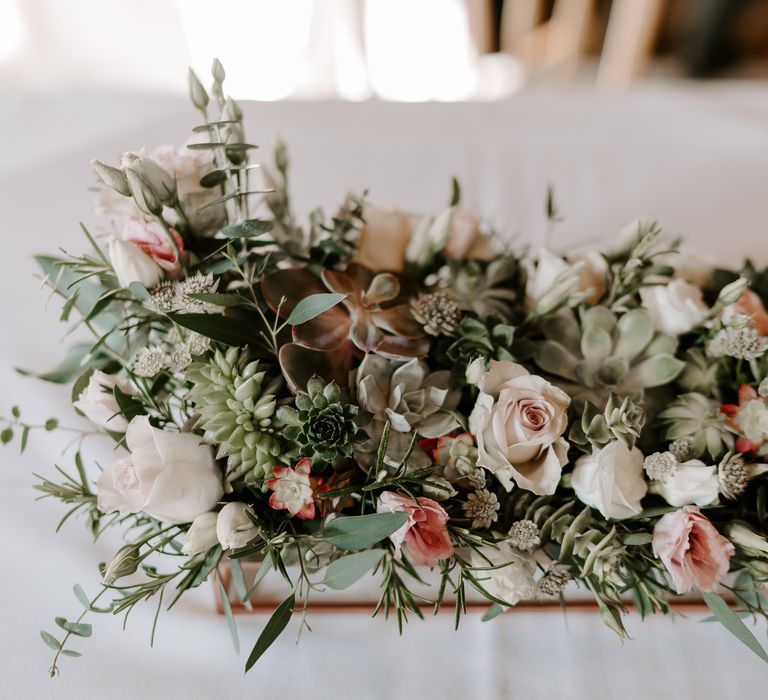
(98, 404)
(660, 466)
(691, 483)
(524, 535)
(234, 528)
(740, 341)
(504, 572)
(149, 362)
(674, 308)
(201, 535)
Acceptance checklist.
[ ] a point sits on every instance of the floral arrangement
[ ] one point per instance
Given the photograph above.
(378, 392)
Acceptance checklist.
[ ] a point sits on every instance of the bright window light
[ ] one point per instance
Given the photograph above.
(12, 31)
(419, 49)
(261, 43)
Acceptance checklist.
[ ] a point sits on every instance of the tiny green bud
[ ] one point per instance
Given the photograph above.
(197, 92)
(281, 157)
(217, 70)
(124, 563)
(145, 198)
(731, 293)
(112, 177)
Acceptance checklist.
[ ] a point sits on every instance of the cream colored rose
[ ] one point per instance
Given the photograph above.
(169, 476)
(691, 483)
(611, 480)
(98, 404)
(552, 280)
(518, 421)
(384, 239)
(675, 307)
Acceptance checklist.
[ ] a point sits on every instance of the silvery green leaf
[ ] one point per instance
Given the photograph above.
(343, 572)
(731, 621)
(635, 331)
(272, 630)
(596, 344)
(555, 359)
(598, 318)
(312, 306)
(655, 371)
(360, 531)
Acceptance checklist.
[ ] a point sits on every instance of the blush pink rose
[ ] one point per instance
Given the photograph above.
(424, 537)
(691, 549)
(153, 240)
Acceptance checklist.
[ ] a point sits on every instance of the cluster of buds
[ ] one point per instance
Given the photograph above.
(143, 179)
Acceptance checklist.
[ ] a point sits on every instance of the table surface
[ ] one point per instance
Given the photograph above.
(695, 160)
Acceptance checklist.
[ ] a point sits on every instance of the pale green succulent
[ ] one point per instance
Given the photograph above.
(605, 353)
(620, 420)
(696, 417)
(700, 373)
(237, 412)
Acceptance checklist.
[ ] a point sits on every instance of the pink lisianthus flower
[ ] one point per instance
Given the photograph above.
(691, 549)
(294, 490)
(749, 418)
(424, 537)
(153, 240)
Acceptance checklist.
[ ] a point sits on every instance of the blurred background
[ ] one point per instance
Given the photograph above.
(625, 108)
(405, 50)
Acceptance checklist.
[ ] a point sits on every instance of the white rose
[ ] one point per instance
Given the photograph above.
(675, 307)
(98, 404)
(692, 483)
(201, 535)
(132, 264)
(234, 529)
(513, 580)
(169, 476)
(611, 480)
(518, 421)
(592, 275)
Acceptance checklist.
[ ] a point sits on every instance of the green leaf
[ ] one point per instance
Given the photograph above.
(71, 653)
(360, 531)
(277, 623)
(247, 229)
(77, 589)
(223, 329)
(139, 291)
(220, 299)
(455, 192)
(213, 178)
(730, 620)
(51, 424)
(494, 611)
(129, 407)
(6, 436)
(66, 370)
(80, 629)
(24, 438)
(637, 538)
(313, 305)
(343, 572)
(230, 617)
(15, 411)
(50, 640)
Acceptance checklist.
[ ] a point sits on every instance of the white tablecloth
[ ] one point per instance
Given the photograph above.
(697, 161)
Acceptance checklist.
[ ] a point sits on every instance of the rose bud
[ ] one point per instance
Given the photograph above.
(131, 264)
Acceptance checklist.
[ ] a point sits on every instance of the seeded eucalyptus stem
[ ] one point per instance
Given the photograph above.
(54, 668)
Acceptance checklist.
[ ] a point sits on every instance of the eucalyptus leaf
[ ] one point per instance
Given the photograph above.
(247, 229)
(230, 617)
(139, 291)
(312, 306)
(343, 572)
(69, 368)
(360, 531)
(731, 621)
(274, 627)
(494, 611)
(80, 629)
(50, 640)
(77, 589)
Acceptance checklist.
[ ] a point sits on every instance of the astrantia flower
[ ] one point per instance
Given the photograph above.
(524, 535)
(734, 474)
(554, 580)
(294, 489)
(660, 466)
(149, 362)
(482, 506)
(437, 312)
(682, 449)
(742, 342)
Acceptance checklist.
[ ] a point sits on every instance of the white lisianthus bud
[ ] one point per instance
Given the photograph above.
(731, 293)
(132, 264)
(112, 177)
(124, 563)
(201, 535)
(162, 184)
(98, 404)
(143, 195)
(690, 483)
(234, 528)
(746, 538)
(475, 371)
(217, 71)
(197, 92)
